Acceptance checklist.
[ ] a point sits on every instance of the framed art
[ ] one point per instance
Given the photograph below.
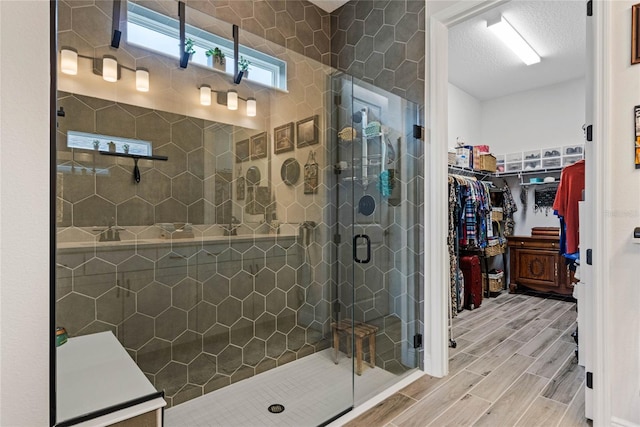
(259, 146)
(636, 117)
(307, 131)
(242, 151)
(283, 138)
(635, 34)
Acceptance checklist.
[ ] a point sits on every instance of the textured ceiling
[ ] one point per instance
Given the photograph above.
(485, 68)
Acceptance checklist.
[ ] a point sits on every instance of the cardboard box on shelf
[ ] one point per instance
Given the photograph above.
(464, 157)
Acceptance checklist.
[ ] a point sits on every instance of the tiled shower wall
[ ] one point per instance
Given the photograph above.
(382, 42)
(306, 286)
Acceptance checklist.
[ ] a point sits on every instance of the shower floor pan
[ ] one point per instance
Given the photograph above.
(311, 389)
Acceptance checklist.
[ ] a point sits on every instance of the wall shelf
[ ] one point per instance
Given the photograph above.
(135, 157)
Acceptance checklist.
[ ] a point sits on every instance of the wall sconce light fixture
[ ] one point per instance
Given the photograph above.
(232, 99)
(69, 61)
(107, 67)
(251, 107)
(228, 98)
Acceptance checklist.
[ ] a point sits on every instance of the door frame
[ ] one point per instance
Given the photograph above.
(599, 97)
(436, 262)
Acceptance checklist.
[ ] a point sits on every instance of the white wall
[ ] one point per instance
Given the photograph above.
(465, 112)
(547, 117)
(24, 218)
(623, 186)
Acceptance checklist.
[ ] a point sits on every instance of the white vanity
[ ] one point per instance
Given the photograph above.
(98, 384)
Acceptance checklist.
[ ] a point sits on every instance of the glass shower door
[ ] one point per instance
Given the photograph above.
(379, 199)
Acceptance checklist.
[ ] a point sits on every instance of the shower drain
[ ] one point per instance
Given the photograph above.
(276, 408)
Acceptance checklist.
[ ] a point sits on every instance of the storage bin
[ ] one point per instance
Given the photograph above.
(532, 164)
(513, 166)
(513, 157)
(573, 150)
(551, 163)
(532, 155)
(551, 152)
(451, 157)
(497, 214)
(485, 162)
(570, 160)
(496, 281)
(464, 157)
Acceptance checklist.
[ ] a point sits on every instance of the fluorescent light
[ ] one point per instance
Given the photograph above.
(69, 61)
(232, 99)
(142, 80)
(251, 107)
(205, 95)
(109, 69)
(514, 41)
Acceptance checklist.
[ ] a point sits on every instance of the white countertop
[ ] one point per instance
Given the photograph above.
(174, 242)
(95, 372)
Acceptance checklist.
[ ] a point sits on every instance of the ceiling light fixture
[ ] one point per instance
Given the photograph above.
(514, 40)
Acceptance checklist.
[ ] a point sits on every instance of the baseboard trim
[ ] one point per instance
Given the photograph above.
(619, 422)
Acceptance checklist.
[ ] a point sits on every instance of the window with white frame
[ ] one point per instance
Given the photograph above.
(154, 31)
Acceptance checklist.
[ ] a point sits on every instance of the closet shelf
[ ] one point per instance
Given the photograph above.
(535, 184)
(528, 172)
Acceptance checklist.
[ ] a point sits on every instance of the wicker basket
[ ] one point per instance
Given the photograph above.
(494, 250)
(486, 162)
(496, 215)
(451, 158)
(496, 282)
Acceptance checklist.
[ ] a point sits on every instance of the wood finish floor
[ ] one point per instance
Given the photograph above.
(514, 365)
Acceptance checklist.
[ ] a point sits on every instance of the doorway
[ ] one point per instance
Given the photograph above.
(442, 23)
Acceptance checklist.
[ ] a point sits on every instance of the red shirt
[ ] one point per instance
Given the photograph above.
(566, 202)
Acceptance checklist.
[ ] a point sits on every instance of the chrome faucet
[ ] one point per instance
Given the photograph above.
(111, 234)
(232, 228)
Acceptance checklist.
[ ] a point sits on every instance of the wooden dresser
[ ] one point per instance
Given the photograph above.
(536, 263)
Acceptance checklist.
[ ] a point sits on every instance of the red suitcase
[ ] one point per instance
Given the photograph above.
(470, 266)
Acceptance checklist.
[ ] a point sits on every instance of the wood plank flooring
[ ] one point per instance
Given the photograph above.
(514, 365)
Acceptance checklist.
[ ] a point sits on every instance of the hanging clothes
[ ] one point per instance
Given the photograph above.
(566, 204)
(509, 207)
(469, 219)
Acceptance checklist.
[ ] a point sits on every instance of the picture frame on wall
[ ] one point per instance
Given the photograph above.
(242, 151)
(635, 34)
(636, 117)
(283, 138)
(307, 131)
(259, 146)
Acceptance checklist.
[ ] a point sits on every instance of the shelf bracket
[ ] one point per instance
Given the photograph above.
(184, 55)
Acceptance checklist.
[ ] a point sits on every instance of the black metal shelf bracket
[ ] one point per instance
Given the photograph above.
(135, 157)
(184, 55)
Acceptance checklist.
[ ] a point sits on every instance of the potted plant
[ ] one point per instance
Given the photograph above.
(189, 46)
(216, 58)
(243, 65)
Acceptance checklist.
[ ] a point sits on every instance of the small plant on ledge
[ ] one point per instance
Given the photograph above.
(189, 46)
(243, 65)
(216, 57)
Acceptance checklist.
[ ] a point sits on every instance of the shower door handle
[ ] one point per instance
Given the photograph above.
(355, 248)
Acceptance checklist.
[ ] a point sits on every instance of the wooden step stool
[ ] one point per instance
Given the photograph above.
(360, 331)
